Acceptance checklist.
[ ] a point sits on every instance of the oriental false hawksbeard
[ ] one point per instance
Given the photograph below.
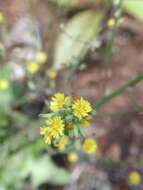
(66, 121)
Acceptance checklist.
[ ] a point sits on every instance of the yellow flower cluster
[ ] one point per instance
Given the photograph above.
(68, 114)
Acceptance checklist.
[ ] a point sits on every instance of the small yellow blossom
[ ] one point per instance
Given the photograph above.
(89, 146)
(1, 18)
(54, 129)
(56, 126)
(62, 143)
(45, 133)
(4, 84)
(72, 157)
(134, 178)
(52, 74)
(57, 102)
(33, 67)
(41, 57)
(111, 23)
(81, 108)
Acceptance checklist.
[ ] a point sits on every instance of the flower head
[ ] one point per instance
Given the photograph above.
(62, 143)
(134, 178)
(54, 129)
(41, 57)
(52, 74)
(57, 102)
(89, 146)
(111, 23)
(56, 126)
(72, 157)
(32, 67)
(81, 108)
(4, 84)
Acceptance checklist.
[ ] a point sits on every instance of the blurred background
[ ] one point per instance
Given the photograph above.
(89, 48)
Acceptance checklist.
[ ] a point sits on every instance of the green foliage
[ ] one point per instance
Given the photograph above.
(134, 8)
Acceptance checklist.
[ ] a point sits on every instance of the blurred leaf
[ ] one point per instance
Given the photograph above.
(24, 164)
(134, 8)
(73, 42)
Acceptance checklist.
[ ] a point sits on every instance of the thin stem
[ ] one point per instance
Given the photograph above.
(118, 92)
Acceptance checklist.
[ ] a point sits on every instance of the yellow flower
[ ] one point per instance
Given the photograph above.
(111, 23)
(45, 133)
(4, 84)
(33, 67)
(81, 108)
(134, 178)
(41, 57)
(51, 73)
(72, 157)
(62, 143)
(55, 127)
(57, 102)
(53, 130)
(1, 18)
(89, 146)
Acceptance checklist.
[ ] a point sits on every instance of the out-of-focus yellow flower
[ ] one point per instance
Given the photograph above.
(2, 19)
(85, 123)
(41, 57)
(52, 74)
(89, 146)
(57, 102)
(4, 84)
(54, 129)
(45, 132)
(62, 143)
(81, 108)
(134, 178)
(33, 67)
(72, 157)
(111, 23)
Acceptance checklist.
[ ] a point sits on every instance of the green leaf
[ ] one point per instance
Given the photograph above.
(134, 8)
(73, 41)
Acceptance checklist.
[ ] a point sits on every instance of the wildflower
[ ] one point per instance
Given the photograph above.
(4, 84)
(81, 108)
(32, 67)
(72, 157)
(1, 18)
(41, 57)
(56, 126)
(52, 74)
(89, 146)
(53, 130)
(134, 178)
(57, 102)
(62, 143)
(111, 23)
(45, 133)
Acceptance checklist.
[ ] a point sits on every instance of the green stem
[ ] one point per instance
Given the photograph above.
(118, 92)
